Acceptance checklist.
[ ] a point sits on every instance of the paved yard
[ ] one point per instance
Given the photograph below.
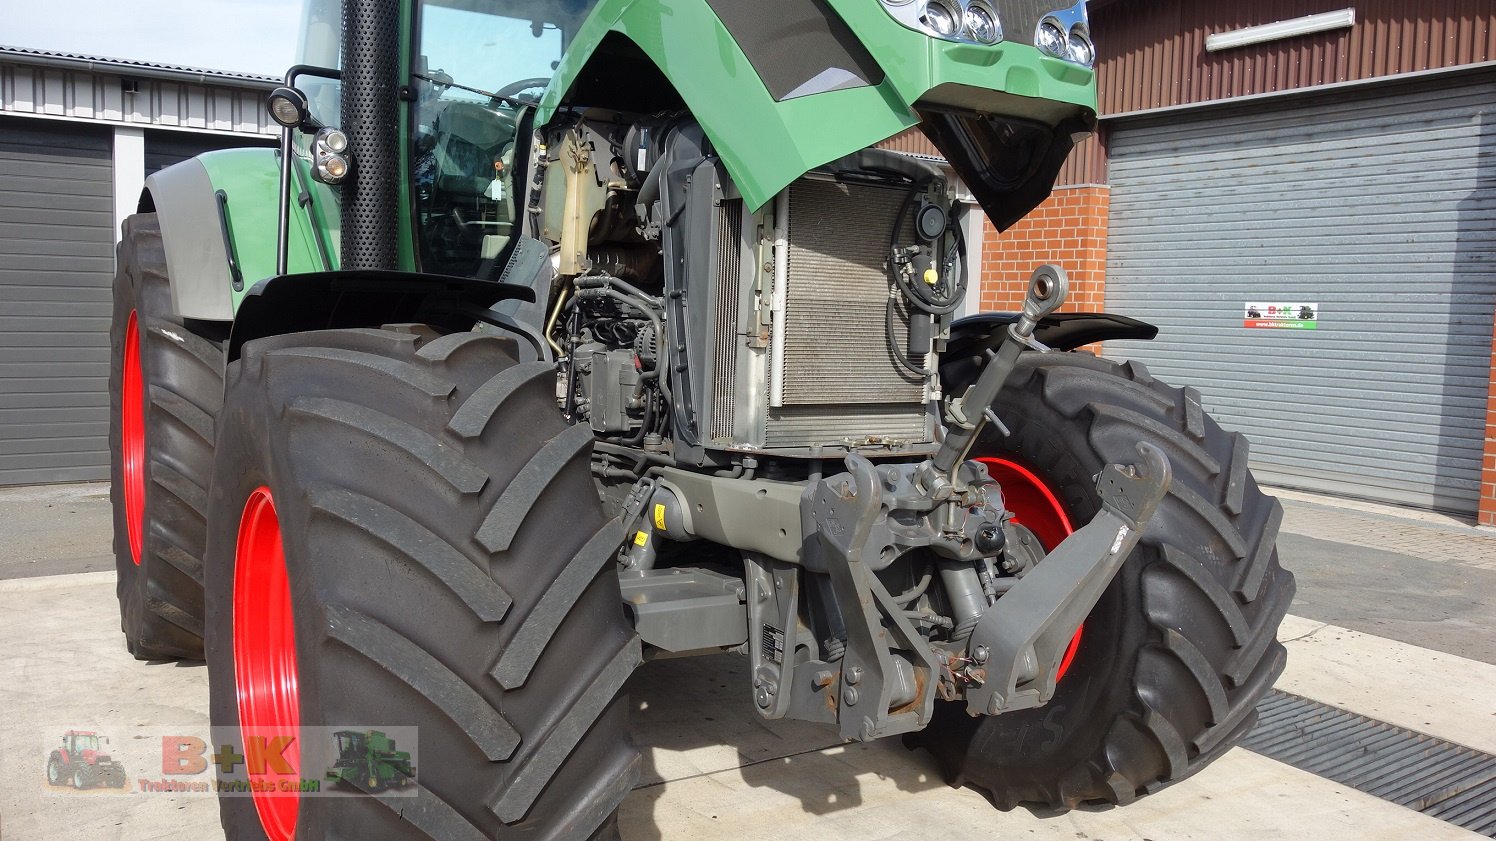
(714, 770)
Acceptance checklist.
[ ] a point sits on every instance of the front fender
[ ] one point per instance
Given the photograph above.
(973, 336)
(218, 216)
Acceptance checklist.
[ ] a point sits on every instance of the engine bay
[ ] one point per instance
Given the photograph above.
(692, 326)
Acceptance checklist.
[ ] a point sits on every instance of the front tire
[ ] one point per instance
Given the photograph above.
(446, 564)
(1182, 645)
(165, 388)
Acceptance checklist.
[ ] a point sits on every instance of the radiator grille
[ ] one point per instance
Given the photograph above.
(729, 292)
(835, 350)
(841, 380)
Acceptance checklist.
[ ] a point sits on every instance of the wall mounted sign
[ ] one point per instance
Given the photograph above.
(1281, 316)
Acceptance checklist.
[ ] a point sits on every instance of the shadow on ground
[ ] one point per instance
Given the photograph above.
(694, 717)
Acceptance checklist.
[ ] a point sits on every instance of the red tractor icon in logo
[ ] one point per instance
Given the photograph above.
(80, 763)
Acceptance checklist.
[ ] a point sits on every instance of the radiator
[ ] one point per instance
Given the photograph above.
(841, 381)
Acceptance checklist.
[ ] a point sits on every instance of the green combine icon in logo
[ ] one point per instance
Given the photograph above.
(368, 760)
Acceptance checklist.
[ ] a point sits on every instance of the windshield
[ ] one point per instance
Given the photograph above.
(85, 743)
(477, 65)
(479, 49)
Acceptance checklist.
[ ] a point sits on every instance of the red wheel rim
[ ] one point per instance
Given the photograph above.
(265, 665)
(1038, 509)
(132, 439)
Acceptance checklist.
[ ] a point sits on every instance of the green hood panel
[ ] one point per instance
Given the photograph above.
(765, 144)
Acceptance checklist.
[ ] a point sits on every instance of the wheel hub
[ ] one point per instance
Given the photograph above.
(265, 674)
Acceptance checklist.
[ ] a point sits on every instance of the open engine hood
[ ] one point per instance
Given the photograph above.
(783, 86)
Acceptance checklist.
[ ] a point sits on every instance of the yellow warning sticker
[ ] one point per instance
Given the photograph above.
(641, 538)
(659, 517)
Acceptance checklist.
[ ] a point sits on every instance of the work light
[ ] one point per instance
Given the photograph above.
(287, 106)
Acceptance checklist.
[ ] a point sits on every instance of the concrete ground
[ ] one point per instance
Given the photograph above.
(1393, 621)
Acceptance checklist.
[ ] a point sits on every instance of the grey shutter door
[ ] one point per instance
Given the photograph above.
(1377, 205)
(56, 262)
(164, 148)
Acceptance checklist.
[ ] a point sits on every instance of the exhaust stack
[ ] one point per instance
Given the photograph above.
(370, 118)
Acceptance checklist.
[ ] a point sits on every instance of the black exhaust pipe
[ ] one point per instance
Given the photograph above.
(371, 85)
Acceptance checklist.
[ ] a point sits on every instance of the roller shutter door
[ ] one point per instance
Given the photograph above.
(1377, 206)
(56, 263)
(164, 148)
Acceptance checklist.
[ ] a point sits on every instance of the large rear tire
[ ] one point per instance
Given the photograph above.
(405, 532)
(165, 389)
(1181, 647)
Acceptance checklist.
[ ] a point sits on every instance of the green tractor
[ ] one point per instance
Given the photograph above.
(562, 334)
(367, 760)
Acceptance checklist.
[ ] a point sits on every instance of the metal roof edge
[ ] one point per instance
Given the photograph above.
(127, 67)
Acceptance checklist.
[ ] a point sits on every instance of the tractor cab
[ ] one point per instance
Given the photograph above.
(80, 743)
(479, 68)
(477, 71)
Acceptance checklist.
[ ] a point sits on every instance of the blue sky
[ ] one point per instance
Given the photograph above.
(248, 36)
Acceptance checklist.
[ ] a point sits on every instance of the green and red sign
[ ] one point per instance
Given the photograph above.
(1281, 316)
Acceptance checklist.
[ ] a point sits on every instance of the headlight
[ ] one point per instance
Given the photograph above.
(1066, 34)
(1051, 38)
(962, 21)
(941, 19)
(1082, 51)
(982, 25)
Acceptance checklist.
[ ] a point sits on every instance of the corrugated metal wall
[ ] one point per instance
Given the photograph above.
(1152, 54)
(56, 260)
(78, 94)
(1380, 208)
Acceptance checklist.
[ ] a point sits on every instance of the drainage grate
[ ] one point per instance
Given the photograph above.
(1438, 778)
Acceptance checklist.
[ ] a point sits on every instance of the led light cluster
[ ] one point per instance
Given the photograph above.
(967, 21)
(330, 163)
(1066, 34)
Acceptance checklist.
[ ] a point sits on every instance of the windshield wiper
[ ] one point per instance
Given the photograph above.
(517, 103)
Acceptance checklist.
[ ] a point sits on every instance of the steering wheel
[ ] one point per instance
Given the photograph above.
(513, 90)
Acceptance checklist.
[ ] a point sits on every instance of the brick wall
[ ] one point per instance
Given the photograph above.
(1069, 229)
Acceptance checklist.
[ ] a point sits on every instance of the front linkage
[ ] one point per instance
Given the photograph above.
(878, 675)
